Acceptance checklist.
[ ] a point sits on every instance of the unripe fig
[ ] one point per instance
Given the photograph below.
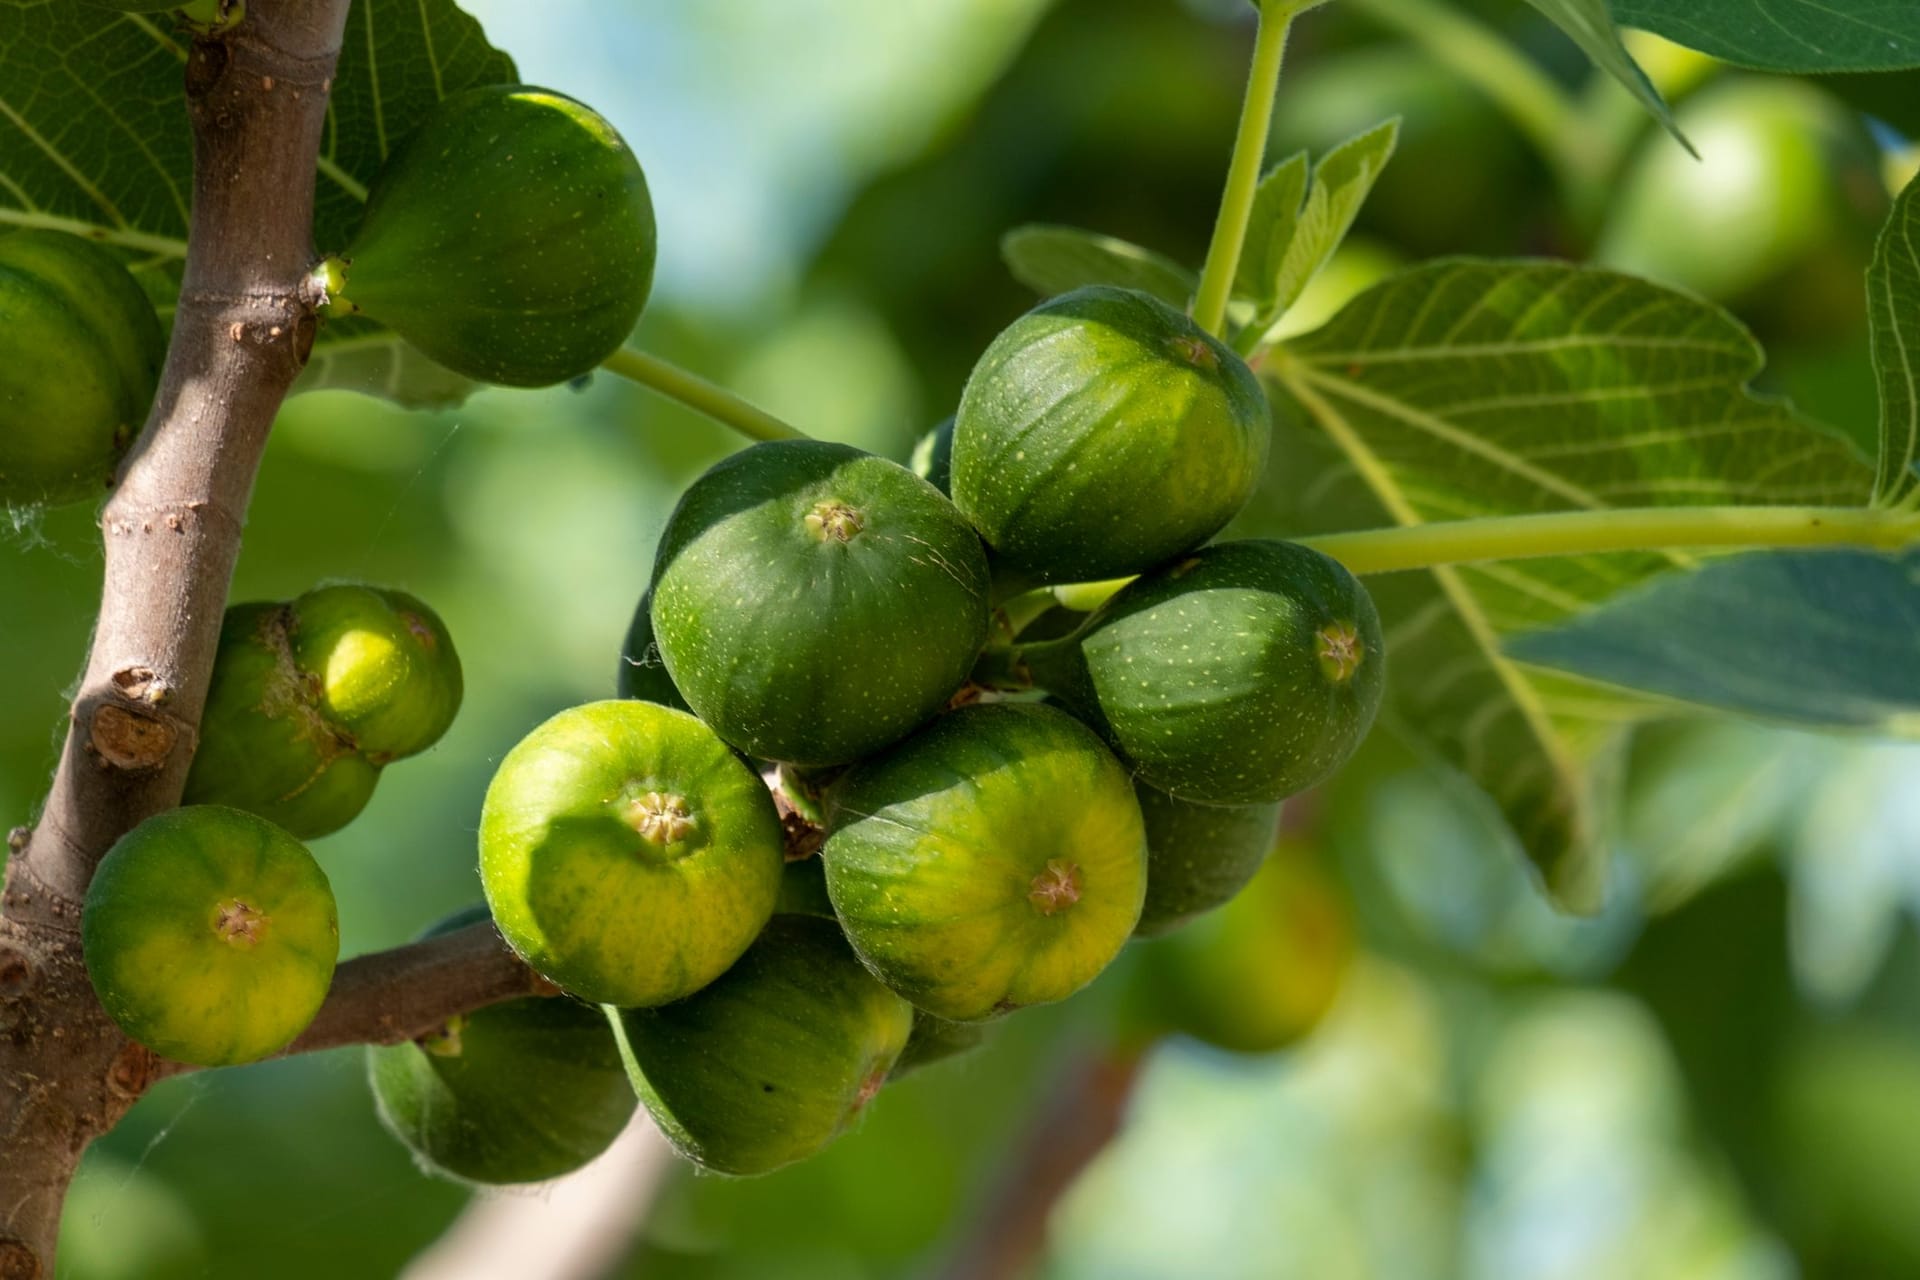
(1104, 432)
(627, 853)
(1261, 972)
(803, 890)
(643, 672)
(994, 860)
(1240, 675)
(384, 670)
(510, 237)
(814, 603)
(309, 699)
(83, 351)
(517, 1092)
(210, 935)
(775, 1059)
(933, 457)
(1199, 855)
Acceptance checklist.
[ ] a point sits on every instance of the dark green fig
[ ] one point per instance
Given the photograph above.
(510, 237)
(936, 1039)
(210, 935)
(1243, 674)
(775, 1059)
(994, 860)
(627, 854)
(1261, 972)
(1199, 855)
(309, 699)
(1104, 432)
(933, 457)
(814, 603)
(83, 351)
(383, 667)
(517, 1092)
(643, 673)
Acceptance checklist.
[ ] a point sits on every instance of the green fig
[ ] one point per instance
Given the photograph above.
(522, 1091)
(1199, 855)
(210, 935)
(83, 351)
(772, 1061)
(627, 853)
(1103, 433)
(814, 603)
(994, 860)
(510, 237)
(936, 1039)
(1242, 674)
(383, 667)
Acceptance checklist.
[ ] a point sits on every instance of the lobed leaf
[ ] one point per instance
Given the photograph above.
(1466, 388)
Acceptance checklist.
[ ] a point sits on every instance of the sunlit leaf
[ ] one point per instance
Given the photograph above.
(1467, 388)
(1787, 35)
(1054, 260)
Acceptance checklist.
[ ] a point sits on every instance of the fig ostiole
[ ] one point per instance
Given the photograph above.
(84, 348)
(814, 603)
(774, 1059)
(1242, 674)
(510, 237)
(517, 1092)
(994, 860)
(210, 935)
(627, 853)
(1103, 433)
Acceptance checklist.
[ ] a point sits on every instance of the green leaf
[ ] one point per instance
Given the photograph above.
(1053, 260)
(94, 137)
(1465, 388)
(1297, 224)
(1591, 26)
(1829, 639)
(1787, 35)
(1893, 299)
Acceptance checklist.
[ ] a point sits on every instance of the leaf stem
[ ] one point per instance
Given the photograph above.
(698, 394)
(1367, 552)
(1243, 171)
(1576, 533)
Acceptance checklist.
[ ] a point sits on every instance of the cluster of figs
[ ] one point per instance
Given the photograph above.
(867, 786)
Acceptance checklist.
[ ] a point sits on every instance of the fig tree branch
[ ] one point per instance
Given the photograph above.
(395, 995)
(256, 102)
(699, 395)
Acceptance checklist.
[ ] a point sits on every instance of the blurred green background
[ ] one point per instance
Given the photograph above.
(1718, 1077)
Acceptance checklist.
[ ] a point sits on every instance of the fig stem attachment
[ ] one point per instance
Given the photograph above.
(698, 394)
(1243, 171)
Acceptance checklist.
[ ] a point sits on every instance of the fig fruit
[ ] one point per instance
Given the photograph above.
(814, 603)
(627, 853)
(210, 935)
(1261, 972)
(1104, 432)
(383, 667)
(1242, 674)
(1199, 855)
(310, 699)
(994, 860)
(517, 1092)
(775, 1059)
(84, 349)
(510, 237)
(936, 1039)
